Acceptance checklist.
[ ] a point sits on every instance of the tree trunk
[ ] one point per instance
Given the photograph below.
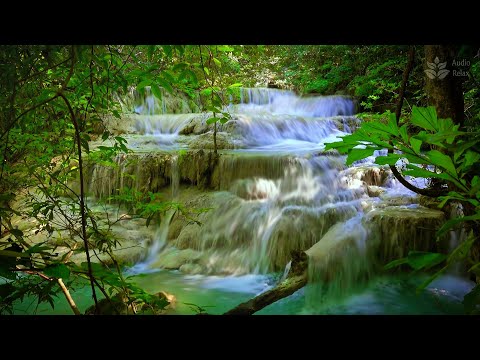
(445, 93)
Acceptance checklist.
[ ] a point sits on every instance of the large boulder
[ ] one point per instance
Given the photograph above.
(173, 258)
(205, 141)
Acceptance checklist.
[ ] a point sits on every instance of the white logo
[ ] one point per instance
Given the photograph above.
(437, 69)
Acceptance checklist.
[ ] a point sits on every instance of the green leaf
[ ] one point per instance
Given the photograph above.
(206, 69)
(156, 91)
(59, 271)
(217, 62)
(168, 50)
(390, 159)
(144, 83)
(116, 114)
(165, 84)
(419, 172)
(425, 117)
(462, 147)
(38, 248)
(105, 135)
(225, 48)
(452, 222)
(404, 133)
(392, 124)
(378, 128)
(415, 159)
(424, 260)
(416, 144)
(212, 120)
(443, 161)
(471, 158)
(235, 85)
(396, 263)
(358, 154)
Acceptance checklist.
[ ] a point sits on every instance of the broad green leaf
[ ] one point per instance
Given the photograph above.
(425, 117)
(217, 62)
(424, 260)
(156, 91)
(235, 85)
(452, 222)
(212, 120)
(165, 84)
(419, 172)
(38, 248)
(443, 161)
(207, 70)
(57, 271)
(392, 124)
(378, 128)
(358, 154)
(144, 83)
(390, 159)
(105, 135)
(404, 134)
(471, 158)
(415, 159)
(462, 147)
(416, 144)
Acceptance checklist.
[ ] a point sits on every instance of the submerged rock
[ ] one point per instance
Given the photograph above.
(375, 191)
(191, 269)
(173, 258)
(205, 141)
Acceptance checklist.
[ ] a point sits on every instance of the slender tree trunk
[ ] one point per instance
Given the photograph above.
(446, 93)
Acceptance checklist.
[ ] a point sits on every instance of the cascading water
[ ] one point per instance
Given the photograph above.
(276, 194)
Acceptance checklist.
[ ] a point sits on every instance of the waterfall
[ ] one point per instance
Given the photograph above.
(339, 263)
(274, 193)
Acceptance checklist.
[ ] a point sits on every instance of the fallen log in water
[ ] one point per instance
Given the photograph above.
(296, 279)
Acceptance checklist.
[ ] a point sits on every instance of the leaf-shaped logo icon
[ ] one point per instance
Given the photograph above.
(431, 65)
(437, 60)
(442, 73)
(442, 65)
(431, 74)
